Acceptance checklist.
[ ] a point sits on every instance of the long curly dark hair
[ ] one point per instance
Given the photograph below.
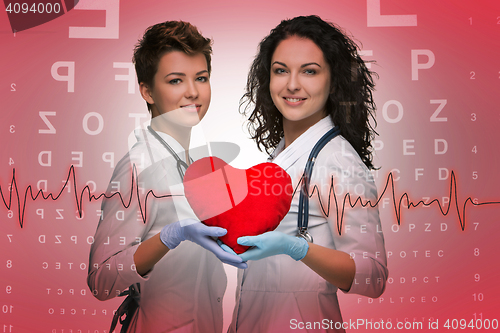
(350, 103)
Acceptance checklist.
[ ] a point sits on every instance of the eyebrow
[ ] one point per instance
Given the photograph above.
(184, 74)
(302, 66)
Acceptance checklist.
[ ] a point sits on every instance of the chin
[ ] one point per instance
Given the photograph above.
(189, 122)
(182, 119)
(294, 116)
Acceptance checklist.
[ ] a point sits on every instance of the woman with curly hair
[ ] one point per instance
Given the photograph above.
(306, 81)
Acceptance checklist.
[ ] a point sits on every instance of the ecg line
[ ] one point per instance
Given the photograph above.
(134, 188)
(453, 194)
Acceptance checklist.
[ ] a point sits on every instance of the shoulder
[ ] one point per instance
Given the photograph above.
(339, 153)
(148, 164)
(339, 162)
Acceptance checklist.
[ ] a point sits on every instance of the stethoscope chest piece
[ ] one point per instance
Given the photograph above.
(304, 234)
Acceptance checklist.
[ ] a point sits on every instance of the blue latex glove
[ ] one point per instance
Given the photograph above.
(225, 247)
(272, 243)
(173, 234)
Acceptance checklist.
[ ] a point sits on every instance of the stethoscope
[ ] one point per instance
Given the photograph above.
(303, 216)
(181, 165)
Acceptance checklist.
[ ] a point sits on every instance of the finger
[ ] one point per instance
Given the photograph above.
(247, 240)
(215, 231)
(225, 256)
(222, 254)
(225, 247)
(251, 254)
(235, 261)
(242, 265)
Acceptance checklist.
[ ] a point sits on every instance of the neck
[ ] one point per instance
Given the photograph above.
(179, 133)
(293, 129)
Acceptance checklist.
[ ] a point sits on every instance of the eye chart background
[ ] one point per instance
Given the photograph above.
(69, 97)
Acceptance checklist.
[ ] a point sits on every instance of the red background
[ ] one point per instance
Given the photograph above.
(437, 271)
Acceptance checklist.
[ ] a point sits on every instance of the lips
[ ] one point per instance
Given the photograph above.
(294, 100)
(191, 107)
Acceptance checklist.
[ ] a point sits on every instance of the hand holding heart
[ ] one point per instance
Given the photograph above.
(244, 202)
(193, 230)
(272, 243)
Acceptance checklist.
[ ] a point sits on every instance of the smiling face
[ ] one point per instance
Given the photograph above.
(300, 83)
(181, 92)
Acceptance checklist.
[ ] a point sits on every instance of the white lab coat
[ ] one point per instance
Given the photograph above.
(184, 290)
(279, 294)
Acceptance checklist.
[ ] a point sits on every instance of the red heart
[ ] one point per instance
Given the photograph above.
(245, 202)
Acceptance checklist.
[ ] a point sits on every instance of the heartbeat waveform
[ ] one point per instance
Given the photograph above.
(134, 188)
(453, 197)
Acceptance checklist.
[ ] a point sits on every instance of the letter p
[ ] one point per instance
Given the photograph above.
(415, 65)
(70, 78)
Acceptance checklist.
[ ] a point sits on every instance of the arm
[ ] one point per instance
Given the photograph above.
(119, 234)
(359, 256)
(171, 235)
(334, 266)
(360, 236)
(125, 248)
(353, 261)
(149, 253)
(153, 249)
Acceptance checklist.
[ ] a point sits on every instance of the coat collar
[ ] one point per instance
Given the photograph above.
(143, 136)
(285, 158)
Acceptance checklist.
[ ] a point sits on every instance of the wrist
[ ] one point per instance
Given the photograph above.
(172, 235)
(299, 248)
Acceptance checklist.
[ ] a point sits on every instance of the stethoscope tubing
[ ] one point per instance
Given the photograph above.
(303, 214)
(180, 163)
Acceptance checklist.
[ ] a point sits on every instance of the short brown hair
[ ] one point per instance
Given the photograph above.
(165, 37)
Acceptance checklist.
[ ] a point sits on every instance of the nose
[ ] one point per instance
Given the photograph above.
(191, 90)
(293, 83)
